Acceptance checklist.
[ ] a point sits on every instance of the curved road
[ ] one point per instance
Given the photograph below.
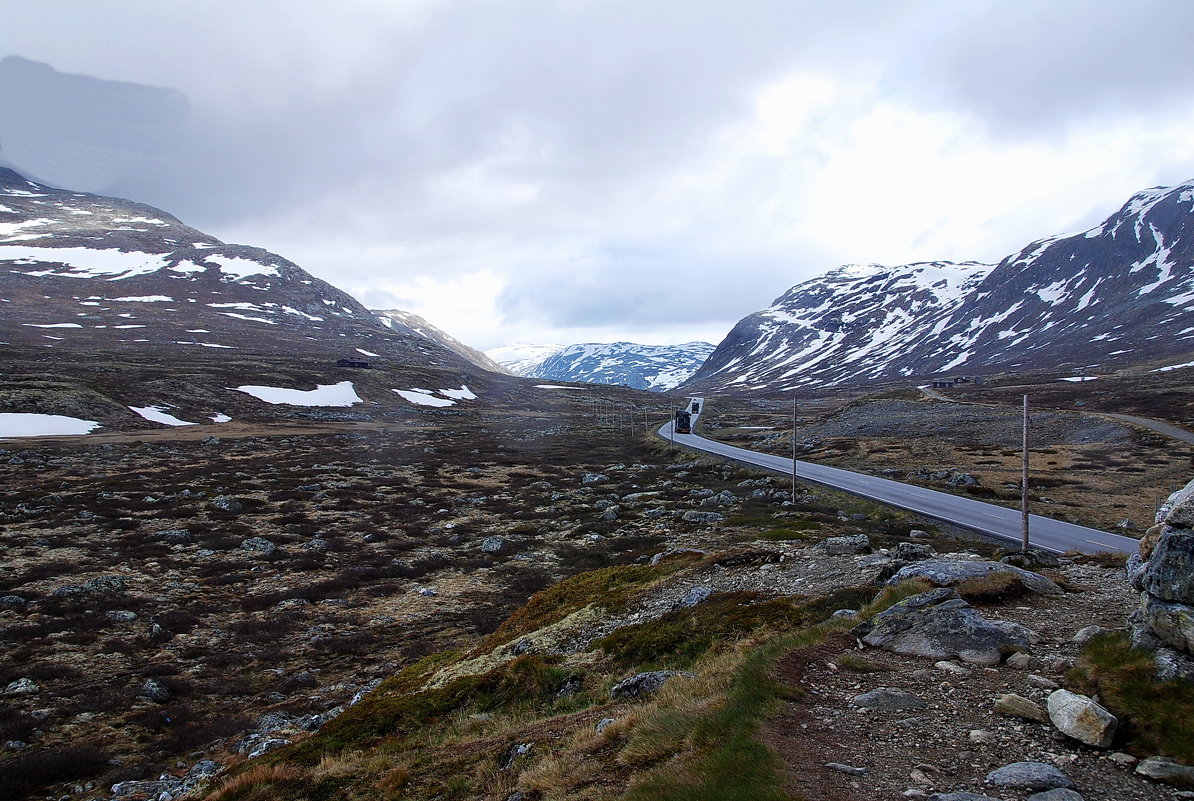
(985, 518)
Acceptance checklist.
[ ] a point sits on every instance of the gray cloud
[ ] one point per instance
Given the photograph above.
(596, 155)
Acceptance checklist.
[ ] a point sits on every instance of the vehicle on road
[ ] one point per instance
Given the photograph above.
(683, 423)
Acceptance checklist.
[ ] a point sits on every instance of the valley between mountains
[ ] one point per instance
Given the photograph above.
(291, 548)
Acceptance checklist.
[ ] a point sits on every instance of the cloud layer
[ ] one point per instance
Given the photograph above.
(576, 170)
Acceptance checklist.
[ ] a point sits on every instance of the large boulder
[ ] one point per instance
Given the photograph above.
(939, 624)
(1029, 776)
(1170, 571)
(1081, 718)
(951, 572)
(1172, 622)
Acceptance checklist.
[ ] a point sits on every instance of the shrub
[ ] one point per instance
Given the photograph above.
(27, 773)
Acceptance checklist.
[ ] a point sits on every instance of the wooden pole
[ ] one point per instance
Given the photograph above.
(1024, 482)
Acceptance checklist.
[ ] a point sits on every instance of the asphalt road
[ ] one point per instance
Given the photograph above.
(985, 518)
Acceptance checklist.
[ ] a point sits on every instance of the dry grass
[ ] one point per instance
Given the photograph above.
(261, 783)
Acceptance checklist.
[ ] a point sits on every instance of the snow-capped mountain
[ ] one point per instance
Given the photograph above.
(522, 359)
(658, 368)
(86, 271)
(1119, 293)
(413, 324)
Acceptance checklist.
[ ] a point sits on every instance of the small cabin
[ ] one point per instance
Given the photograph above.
(358, 363)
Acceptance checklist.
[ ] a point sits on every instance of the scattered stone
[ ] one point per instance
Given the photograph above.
(1081, 718)
(120, 615)
(951, 667)
(493, 544)
(1042, 682)
(1167, 771)
(919, 534)
(963, 796)
(1032, 559)
(1017, 706)
(981, 737)
(593, 478)
(1085, 635)
(845, 546)
(1029, 776)
(104, 584)
(940, 625)
(693, 516)
(1122, 759)
(12, 602)
(22, 687)
(912, 552)
(849, 770)
(155, 691)
(1057, 794)
(267, 745)
(604, 723)
(226, 503)
(258, 545)
(695, 596)
(887, 699)
(1021, 661)
(643, 684)
(523, 646)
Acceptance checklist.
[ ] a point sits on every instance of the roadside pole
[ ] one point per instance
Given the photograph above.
(1024, 482)
(793, 450)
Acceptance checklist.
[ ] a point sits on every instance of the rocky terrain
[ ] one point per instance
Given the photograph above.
(1121, 293)
(191, 612)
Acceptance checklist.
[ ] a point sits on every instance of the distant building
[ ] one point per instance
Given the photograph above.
(947, 383)
(360, 363)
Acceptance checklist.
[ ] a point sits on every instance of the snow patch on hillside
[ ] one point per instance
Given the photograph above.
(341, 394)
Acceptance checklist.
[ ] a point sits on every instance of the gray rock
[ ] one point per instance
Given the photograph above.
(1173, 665)
(12, 602)
(912, 552)
(22, 687)
(1172, 622)
(524, 646)
(1029, 776)
(493, 544)
(642, 684)
(1164, 769)
(693, 516)
(1021, 661)
(155, 691)
(1081, 718)
(849, 770)
(67, 591)
(940, 625)
(593, 478)
(266, 745)
(695, 596)
(1178, 509)
(1032, 559)
(226, 503)
(175, 535)
(1057, 794)
(258, 545)
(962, 796)
(887, 699)
(104, 584)
(1134, 569)
(120, 615)
(1085, 635)
(604, 723)
(848, 545)
(1170, 572)
(1018, 706)
(949, 572)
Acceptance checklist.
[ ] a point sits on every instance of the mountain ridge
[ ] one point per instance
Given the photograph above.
(1121, 291)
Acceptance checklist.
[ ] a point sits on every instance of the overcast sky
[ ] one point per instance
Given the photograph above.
(568, 171)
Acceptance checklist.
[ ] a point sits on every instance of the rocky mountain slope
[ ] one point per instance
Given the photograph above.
(658, 368)
(413, 325)
(1119, 293)
(81, 271)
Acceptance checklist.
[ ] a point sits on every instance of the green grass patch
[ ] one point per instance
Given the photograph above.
(611, 588)
(1157, 713)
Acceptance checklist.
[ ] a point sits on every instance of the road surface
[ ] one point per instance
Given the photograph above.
(985, 518)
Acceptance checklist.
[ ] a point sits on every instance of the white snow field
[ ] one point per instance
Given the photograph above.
(342, 394)
(424, 398)
(157, 414)
(14, 424)
(464, 393)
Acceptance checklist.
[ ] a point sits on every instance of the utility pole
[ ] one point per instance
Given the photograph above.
(1024, 482)
(793, 449)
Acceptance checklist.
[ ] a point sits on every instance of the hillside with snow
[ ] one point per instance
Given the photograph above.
(1120, 293)
(414, 325)
(658, 368)
(522, 359)
(87, 272)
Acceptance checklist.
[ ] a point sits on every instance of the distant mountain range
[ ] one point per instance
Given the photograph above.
(1120, 293)
(412, 324)
(95, 273)
(658, 368)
